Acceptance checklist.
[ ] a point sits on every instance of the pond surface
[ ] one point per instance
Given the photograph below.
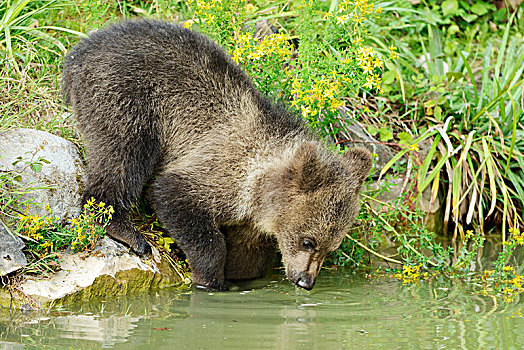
(344, 310)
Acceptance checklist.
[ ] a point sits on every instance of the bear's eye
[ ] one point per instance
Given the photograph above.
(308, 244)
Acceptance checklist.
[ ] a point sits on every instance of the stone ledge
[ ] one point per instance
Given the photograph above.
(113, 272)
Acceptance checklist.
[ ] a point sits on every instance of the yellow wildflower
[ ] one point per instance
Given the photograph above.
(370, 81)
(305, 111)
(368, 69)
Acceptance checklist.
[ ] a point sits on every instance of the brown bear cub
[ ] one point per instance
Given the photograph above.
(232, 174)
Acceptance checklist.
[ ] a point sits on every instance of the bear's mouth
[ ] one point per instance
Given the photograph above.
(302, 279)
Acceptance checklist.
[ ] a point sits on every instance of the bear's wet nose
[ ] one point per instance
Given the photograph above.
(305, 281)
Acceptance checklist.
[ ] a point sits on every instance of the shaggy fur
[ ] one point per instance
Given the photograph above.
(232, 173)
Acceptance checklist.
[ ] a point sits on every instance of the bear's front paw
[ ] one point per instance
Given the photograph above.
(124, 232)
(213, 286)
(141, 247)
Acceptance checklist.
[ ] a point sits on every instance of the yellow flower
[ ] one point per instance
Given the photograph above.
(414, 148)
(393, 55)
(342, 19)
(305, 111)
(370, 81)
(507, 268)
(368, 69)
(361, 60)
(377, 81)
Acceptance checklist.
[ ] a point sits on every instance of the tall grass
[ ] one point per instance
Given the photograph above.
(475, 124)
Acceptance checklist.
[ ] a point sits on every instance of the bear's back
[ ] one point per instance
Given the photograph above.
(153, 73)
(137, 58)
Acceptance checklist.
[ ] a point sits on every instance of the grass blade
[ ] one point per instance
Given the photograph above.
(471, 78)
(491, 176)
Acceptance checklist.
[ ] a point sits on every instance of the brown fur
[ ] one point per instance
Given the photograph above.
(232, 172)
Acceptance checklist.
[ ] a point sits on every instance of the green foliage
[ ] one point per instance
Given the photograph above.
(468, 12)
(451, 75)
(46, 236)
(329, 64)
(14, 193)
(21, 35)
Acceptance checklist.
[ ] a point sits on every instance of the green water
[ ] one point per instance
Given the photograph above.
(344, 310)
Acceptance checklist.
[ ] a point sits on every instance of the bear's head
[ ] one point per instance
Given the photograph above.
(309, 202)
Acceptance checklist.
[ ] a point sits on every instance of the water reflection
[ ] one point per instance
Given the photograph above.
(343, 311)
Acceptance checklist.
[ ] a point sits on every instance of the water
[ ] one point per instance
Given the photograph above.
(344, 310)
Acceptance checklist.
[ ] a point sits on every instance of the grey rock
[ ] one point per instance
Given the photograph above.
(394, 192)
(352, 131)
(261, 29)
(110, 271)
(59, 183)
(11, 256)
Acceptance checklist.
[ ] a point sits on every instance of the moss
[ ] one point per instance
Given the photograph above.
(125, 282)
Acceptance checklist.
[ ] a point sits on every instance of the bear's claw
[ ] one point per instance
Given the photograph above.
(142, 248)
(213, 286)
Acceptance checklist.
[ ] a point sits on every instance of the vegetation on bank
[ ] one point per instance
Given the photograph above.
(440, 82)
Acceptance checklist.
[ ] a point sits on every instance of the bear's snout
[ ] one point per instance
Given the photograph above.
(302, 279)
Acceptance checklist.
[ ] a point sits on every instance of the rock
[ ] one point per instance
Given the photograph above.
(390, 191)
(61, 179)
(11, 256)
(354, 132)
(112, 270)
(261, 29)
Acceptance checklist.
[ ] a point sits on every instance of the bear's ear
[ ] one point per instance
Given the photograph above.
(305, 167)
(359, 161)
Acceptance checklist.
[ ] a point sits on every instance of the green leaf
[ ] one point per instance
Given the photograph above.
(500, 15)
(388, 77)
(385, 134)
(404, 138)
(453, 29)
(430, 103)
(36, 167)
(450, 8)
(372, 130)
(389, 228)
(18, 178)
(438, 113)
(468, 17)
(479, 8)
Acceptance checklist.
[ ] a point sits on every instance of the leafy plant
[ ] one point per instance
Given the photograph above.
(46, 236)
(329, 64)
(475, 136)
(20, 31)
(14, 193)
